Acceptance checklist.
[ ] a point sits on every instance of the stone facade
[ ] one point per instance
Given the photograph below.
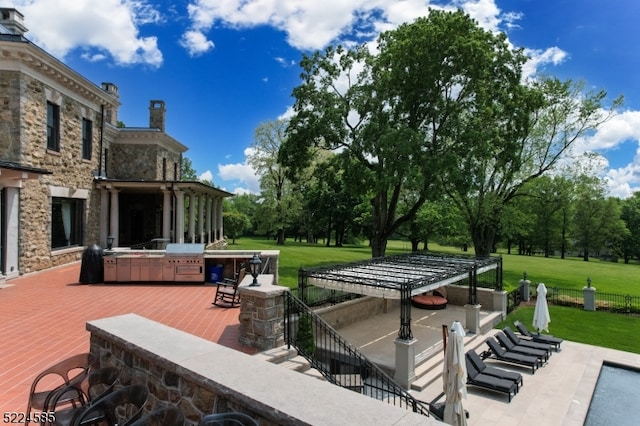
(87, 192)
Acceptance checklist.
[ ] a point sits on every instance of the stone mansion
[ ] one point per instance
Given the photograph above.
(70, 177)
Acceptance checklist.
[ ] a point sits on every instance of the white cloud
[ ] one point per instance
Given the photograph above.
(207, 176)
(540, 58)
(196, 43)
(61, 26)
(242, 173)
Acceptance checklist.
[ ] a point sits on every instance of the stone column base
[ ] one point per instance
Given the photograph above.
(405, 362)
(473, 318)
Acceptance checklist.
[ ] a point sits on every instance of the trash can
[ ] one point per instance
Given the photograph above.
(214, 273)
(92, 267)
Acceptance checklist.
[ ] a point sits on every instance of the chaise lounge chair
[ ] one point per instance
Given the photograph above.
(542, 338)
(511, 347)
(483, 368)
(527, 343)
(476, 378)
(512, 357)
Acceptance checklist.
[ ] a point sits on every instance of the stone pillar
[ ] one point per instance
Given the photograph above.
(525, 286)
(114, 216)
(589, 294)
(166, 214)
(473, 318)
(261, 313)
(500, 302)
(179, 238)
(405, 362)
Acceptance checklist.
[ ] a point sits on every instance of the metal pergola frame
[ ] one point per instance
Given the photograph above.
(404, 276)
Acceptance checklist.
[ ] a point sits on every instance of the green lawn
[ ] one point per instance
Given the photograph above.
(595, 328)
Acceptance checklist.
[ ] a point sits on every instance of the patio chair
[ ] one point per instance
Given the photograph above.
(166, 416)
(121, 407)
(485, 381)
(512, 347)
(542, 338)
(501, 354)
(483, 368)
(229, 418)
(73, 369)
(511, 335)
(227, 295)
(98, 384)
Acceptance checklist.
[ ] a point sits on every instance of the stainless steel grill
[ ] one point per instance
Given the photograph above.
(183, 262)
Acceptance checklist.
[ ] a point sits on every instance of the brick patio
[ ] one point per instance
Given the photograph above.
(43, 316)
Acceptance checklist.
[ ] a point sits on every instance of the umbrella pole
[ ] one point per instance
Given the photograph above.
(444, 338)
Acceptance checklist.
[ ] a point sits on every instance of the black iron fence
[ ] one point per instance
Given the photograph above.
(607, 302)
(514, 297)
(317, 296)
(338, 361)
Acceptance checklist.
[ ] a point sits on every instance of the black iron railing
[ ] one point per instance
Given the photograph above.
(338, 361)
(514, 297)
(608, 302)
(318, 296)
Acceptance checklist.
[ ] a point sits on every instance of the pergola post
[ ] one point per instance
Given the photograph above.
(405, 312)
(405, 372)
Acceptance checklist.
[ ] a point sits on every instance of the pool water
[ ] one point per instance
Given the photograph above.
(616, 398)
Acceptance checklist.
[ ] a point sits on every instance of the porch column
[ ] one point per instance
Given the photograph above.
(220, 226)
(192, 218)
(166, 214)
(12, 226)
(104, 217)
(114, 216)
(179, 237)
(214, 218)
(201, 201)
(209, 202)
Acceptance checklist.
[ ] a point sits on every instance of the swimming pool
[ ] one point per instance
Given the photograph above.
(616, 398)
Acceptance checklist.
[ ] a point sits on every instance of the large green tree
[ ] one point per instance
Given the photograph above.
(281, 202)
(631, 216)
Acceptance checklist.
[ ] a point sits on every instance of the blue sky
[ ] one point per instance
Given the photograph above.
(225, 66)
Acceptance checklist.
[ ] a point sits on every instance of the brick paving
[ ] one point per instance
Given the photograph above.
(43, 317)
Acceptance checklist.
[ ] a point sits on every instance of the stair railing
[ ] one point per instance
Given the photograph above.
(338, 361)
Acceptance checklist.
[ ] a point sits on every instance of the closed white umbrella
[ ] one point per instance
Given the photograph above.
(541, 318)
(454, 376)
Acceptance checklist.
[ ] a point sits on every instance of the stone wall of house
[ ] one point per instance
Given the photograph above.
(71, 173)
(141, 162)
(10, 115)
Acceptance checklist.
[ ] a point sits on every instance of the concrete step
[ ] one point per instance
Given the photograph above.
(277, 355)
(297, 363)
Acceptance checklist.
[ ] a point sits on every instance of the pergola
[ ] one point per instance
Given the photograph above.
(403, 276)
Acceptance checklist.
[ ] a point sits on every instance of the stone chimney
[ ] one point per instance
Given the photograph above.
(156, 115)
(13, 20)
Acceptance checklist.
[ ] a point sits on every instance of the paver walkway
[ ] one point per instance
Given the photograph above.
(43, 317)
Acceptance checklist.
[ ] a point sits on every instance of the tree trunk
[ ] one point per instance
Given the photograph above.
(378, 245)
(414, 244)
(483, 237)
(280, 237)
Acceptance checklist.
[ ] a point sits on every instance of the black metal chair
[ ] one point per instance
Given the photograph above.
(121, 407)
(98, 384)
(70, 370)
(166, 416)
(228, 419)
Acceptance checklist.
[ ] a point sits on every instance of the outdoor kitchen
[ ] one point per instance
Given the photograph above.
(181, 263)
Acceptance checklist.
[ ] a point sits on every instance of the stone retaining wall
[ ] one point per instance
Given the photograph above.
(201, 377)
